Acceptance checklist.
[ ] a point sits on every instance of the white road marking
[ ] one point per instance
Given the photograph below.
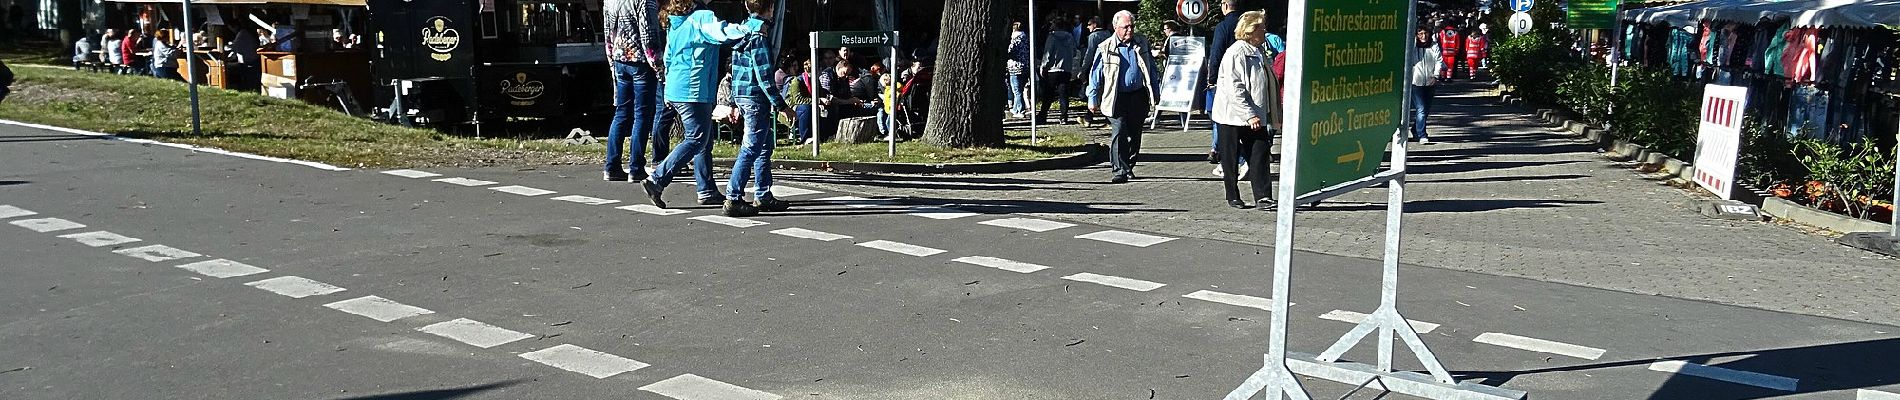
(465, 182)
(7, 211)
(378, 308)
(1028, 224)
(157, 253)
(694, 387)
(939, 213)
(860, 202)
(1539, 345)
(473, 332)
(729, 221)
(1116, 281)
(295, 287)
(1354, 318)
(1865, 394)
(100, 238)
(788, 191)
(1127, 238)
(44, 225)
(901, 248)
(410, 173)
(222, 268)
(584, 361)
(803, 233)
(592, 201)
(1002, 264)
(1233, 299)
(650, 209)
(1756, 379)
(200, 149)
(522, 190)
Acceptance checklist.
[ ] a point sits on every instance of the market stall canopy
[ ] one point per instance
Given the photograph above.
(1805, 13)
(346, 3)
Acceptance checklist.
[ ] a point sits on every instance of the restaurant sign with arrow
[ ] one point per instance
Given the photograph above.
(1349, 91)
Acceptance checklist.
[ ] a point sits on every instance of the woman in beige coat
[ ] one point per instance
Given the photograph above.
(1247, 111)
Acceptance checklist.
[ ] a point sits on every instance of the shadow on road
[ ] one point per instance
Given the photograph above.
(439, 394)
(43, 138)
(1461, 205)
(1822, 368)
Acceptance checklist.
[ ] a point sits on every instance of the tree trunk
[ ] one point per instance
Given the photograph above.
(967, 94)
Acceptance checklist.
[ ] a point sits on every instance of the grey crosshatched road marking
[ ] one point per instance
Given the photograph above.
(295, 287)
(222, 268)
(474, 333)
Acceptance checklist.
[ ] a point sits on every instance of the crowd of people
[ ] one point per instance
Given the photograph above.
(146, 50)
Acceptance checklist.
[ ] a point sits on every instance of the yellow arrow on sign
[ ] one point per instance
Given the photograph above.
(1357, 156)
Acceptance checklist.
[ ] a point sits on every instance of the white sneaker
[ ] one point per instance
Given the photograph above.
(1217, 171)
(1424, 140)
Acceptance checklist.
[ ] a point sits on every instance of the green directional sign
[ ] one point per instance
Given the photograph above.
(1350, 89)
(835, 39)
(1592, 14)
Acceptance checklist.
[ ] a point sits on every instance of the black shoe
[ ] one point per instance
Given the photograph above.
(614, 176)
(740, 208)
(1213, 157)
(773, 205)
(715, 199)
(1118, 179)
(1236, 203)
(1266, 205)
(653, 191)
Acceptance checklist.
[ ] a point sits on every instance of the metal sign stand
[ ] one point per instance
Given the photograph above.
(827, 39)
(1035, 72)
(1276, 378)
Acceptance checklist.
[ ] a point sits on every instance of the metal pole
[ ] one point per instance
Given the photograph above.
(1616, 56)
(191, 71)
(817, 135)
(890, 118)
(1035, 71)
(1896, 191)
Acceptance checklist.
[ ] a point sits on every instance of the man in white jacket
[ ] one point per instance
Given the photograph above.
(1425, 68)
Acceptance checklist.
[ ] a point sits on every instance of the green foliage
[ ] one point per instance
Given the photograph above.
(1654, 109)
(1767, 156)
(1150, 16)
(1848, 178)
(1531, 64)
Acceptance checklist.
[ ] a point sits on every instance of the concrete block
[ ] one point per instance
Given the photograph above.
(1673, 166)
(1782, 208)
(856, 130)
(1878, 242)
(1654, 158)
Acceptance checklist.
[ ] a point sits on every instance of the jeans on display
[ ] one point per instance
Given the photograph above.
(635, 93)
(1807, 112)
(755, 153)
(697, 119)
(1421, 103)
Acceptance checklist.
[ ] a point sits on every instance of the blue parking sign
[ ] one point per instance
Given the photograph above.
(1521, 5)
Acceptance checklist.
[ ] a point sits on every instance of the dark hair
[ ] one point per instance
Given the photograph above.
(1096, 21)
(1171, 25)
(759, 5)
(1058, 22)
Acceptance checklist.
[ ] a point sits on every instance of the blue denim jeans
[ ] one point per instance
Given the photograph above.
(803, 124)
(697, 118)
(755, 153)
(1016, 100)
(665, 115)
(1421, 103)
(636, 90)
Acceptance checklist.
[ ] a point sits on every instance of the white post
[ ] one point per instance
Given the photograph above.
(191, 70)
(890, 118)
(817, 135)
(1896, 191)
(1035, 71)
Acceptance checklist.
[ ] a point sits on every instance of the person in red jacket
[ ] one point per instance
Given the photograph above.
(1449, 44)
(1476, 50)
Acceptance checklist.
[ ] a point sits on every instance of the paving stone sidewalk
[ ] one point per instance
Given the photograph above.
(1498, 194)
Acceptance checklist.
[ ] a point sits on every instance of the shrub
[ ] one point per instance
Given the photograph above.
(1533, 63)
(1849, 178)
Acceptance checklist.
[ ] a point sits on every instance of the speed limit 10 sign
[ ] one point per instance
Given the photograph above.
(1520, 23)
(1191, 11)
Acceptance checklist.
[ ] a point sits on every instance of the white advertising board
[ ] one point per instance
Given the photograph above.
(1719, 138)
(1181, 75)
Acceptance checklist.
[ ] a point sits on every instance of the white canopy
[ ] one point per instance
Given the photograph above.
(1816, 13)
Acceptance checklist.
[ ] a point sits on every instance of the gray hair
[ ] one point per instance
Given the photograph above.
(1125, 14)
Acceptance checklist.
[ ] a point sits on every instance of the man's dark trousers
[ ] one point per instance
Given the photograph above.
(1131, 108)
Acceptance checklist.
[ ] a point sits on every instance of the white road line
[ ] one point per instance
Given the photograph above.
(7, 211)
(803, 233)
(100, 238)
(1028, 224)
(1865, 394)
(1127, 238)
(650, 209)
(788, 191)
(1539, 345)
(410, 173)
(592, 201)
(465, 182)
(44, 225)
(1756, 379)
(295, 287)
(1002, 264)
(1233, 299)
(157, 253)
(939, 213)
(1354, 318)
(694, 387)
(522, 190)
(860, 202)
(1116, 281)
(473, 332)
(222, 268)
(901, 248)
(584, 361)
(378, 308)
(729, 221)
(201, 149)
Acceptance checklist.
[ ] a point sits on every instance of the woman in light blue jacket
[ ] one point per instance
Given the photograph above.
(692, 86)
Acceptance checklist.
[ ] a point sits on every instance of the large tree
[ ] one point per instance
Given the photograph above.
(967, 94)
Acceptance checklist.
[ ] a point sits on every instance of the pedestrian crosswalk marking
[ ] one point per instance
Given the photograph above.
(859, 202)
(901, 248)
(522, 190)
(592, 201)
(1116, 281)
(1002, 264)
(1357, 317)
(1027, 224)
(1539, 345)
(100, 238)
(1127, 238)
(729, 221)
(410, 173)
(8, 211)
(474, 333)
(1865, 394)
(939, 213)
(222, 268)
(650, 209)
(44, 225)
(465, 182)
(157, 253)
(695, 387)
(803, 233)
(584, 361)
(1233, 299)
(1755, 379)
(295, 287)
(378, 308)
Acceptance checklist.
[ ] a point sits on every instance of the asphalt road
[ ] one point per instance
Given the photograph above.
(487, 294)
